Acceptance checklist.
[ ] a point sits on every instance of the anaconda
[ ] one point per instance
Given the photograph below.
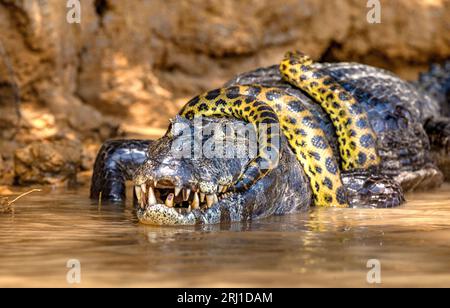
(379, 104)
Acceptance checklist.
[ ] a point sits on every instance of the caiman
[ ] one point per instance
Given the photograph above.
(327, 135)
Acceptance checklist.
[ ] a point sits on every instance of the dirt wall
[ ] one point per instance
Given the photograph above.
(130, 65)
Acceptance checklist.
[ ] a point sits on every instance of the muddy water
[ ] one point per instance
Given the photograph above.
(321, 248)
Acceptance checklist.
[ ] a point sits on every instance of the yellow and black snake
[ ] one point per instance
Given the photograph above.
(357, 141)
(264, 105)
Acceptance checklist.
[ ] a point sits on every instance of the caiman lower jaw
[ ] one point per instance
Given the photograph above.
(161, 215)
(163, 203)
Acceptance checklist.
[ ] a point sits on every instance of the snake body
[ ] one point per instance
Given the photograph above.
(357, 140)
(264, 105)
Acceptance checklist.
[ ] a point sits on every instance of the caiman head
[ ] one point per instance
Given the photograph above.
(189, 175)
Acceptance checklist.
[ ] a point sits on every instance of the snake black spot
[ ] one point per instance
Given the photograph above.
(300, 132)
(193, 102)
(317, 186)
(319, 169)
(212, 94)
(296, 106)
(254, 91)
(237, 103)
(247, 109)
(314, 155)
(362, 158)
(258, 104)
(273, 95)
(367, 141)
(203, 107)
(265, 108)
(328, 183)
(331, 166)
(303, 155)
(319, 142)
(268, 114)
(330, 97)
(303, 77)
(271, 121)
(284, 67)
(353, 145)
(336, 105)
(291, 120)
(362, 123)
(341, 195)
(249, 100)
(310, 122)
(349, 122)
(301, 144)
(328, 198)
(351, 133)
(322, 90)
(314, 84)
(373, 157)
(305, 68)
(293, 71)
(190, 115)
(252, 113)
(233, 92)
(221, 102)
(344, 96)
(343, 114)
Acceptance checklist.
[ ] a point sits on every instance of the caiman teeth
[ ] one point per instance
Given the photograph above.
(169, 200)
(151, 197)
(210, 200)
(175, 196)
(177, 191)
(186, 194)
(196, 202)
(144, 188)
(138, 192)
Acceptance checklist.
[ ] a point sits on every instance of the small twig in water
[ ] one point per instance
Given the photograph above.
(8, 206)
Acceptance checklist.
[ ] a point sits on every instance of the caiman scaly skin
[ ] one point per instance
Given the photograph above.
(397, 112)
